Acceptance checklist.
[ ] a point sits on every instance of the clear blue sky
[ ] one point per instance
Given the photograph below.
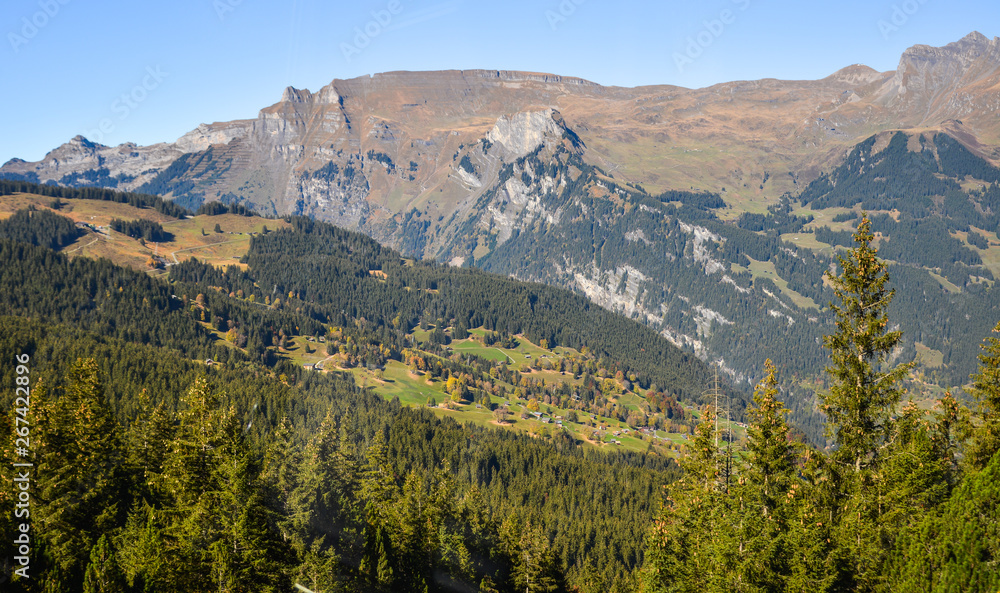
(67, 63)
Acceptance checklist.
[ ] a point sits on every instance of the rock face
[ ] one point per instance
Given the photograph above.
(957, 81)
(375, 151)
(523, 132)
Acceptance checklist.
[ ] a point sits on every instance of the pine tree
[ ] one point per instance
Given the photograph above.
(865, 386)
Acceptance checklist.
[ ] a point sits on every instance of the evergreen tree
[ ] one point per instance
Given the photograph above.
(193, 482)
(860, 407)
(955, 548)
(79, 467)
(379, 493)
(866, 387)
(148, 442)
(536, 567)
(142, 550)
(986, 388)
(763, 501)
(247, 554)
(103, 574)
(681, 555)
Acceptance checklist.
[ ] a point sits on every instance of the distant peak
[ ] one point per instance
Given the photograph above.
(80, 140)
(975, 37)
(972, 45)
(294, 95)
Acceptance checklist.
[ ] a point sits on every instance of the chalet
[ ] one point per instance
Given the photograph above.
(308, 367)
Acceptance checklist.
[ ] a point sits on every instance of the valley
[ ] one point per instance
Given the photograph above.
(497, 330)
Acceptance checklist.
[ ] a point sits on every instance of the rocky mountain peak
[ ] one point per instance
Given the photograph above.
(294, 95)
(961, 53)
(935, 82)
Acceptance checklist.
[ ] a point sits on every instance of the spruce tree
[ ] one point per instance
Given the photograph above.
(770, 459)
(103, 574)
(379, 492)
(79, 458)
(865, 386)
(762, 552)
(859, 408)
(681, 552)
(986, 389)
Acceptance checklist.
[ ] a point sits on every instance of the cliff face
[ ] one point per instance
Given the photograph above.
(958, 81)
(372, 152)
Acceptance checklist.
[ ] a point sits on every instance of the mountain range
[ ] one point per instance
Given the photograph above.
(709, 214)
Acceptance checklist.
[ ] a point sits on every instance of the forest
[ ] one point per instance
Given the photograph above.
(165, 458)
(230, 470)
(905, 500)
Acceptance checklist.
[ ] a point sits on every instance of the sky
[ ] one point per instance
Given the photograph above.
(148, 72)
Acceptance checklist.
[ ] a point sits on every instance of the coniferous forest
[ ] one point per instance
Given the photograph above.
(163, 458)
(905, 500)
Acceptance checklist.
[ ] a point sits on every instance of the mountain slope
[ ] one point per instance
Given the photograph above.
(620, 194)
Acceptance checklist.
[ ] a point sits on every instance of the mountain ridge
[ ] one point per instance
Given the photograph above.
(667, 204)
